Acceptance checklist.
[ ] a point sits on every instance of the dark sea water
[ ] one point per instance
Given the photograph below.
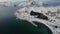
(10, 25)
(52, 3)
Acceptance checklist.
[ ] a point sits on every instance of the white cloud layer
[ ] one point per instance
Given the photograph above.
(25, 0)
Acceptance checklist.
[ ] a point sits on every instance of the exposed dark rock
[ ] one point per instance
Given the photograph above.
(34, 13)
(56, 26)
(39, 15)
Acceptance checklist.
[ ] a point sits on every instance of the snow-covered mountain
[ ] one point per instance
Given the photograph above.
(49, 9)
(53, 14)
(36, 11)
(29, 4)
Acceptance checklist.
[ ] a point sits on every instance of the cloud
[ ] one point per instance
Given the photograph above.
(11, 0)
(26, 0)
(2, 0)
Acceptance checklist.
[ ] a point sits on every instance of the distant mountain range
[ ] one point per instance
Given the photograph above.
(26, 3)
(56, 3)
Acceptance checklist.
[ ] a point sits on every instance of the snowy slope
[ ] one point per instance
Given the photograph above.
(47, 9)
(53, 14)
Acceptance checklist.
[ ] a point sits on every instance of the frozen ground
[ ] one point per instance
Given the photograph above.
(53, 14)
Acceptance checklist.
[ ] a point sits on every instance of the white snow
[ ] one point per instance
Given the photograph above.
(51, 12)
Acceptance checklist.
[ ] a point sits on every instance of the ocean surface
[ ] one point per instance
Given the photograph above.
(10, 25)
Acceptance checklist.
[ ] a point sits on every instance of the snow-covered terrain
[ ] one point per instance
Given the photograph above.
(53, 14)
(50, 10)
